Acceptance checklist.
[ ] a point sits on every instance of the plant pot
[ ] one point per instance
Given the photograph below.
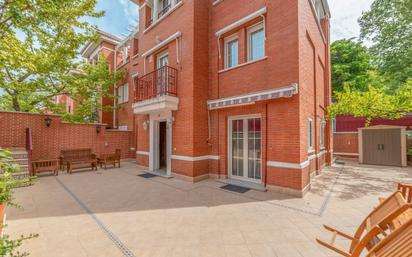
(2, 217)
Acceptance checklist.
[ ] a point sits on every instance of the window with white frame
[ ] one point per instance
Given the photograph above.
(310, 134)
(123, 94)
(256, 42)
(231, 51)
(322, 133)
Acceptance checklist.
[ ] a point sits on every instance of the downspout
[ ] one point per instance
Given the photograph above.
(114, 87)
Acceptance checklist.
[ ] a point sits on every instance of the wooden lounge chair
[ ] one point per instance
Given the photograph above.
(383, 216)
(406, 191)
(41, 166)
(397, 244)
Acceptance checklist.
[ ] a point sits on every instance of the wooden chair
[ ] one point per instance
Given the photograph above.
(397, 244)
(41, 166)
(107, 159)
(383, 216)
(406, 191)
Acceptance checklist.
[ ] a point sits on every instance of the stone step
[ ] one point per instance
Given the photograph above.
(18, 161)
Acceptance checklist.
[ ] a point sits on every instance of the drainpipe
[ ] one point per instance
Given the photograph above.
(266, 148)
(114, 88)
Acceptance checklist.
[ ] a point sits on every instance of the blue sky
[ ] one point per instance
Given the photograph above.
(120, 14)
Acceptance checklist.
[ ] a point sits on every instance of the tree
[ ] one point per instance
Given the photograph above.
(351, 65)
(388, 25)
(39, 42)
(373, 103)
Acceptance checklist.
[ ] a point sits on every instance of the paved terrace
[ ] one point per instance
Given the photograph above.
(116, 213)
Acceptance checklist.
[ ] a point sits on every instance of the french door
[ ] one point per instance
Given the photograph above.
(245, 143)
(162, 74)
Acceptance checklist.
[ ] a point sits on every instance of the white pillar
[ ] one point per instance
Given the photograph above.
(152, 146)
(169, 136)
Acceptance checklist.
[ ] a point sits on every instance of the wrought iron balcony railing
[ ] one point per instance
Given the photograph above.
(160, 82)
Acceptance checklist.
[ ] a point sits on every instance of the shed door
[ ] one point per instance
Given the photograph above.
(382, 147)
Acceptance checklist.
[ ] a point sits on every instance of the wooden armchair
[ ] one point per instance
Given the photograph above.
(406, 191)
(382, 216)
(45, 166)
(110, 159)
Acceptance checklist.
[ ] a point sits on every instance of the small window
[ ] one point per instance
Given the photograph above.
(256, 42)
(123, 94)
(135, 46)
(310, 134)
(232, 52)
(322, 133)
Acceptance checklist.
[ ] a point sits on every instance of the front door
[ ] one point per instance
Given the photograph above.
(245, 159)
(162, 145)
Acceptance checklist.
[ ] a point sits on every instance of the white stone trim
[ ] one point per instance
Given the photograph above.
(349, 154)
(194, 159)
(349, 132)
(321, 153)
(216, 2)
(142, 153)
(162, 44)
(241, 21)
(288, 165)
(253, 97)
(311, 157)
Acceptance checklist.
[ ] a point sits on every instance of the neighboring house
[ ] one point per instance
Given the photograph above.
(230, 89)
(348, 123)
(66, 102)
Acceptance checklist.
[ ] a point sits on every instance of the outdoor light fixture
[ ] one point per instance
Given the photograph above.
(48, 121)
(98, 128)
(146, 124)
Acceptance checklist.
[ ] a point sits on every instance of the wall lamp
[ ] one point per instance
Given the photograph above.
(48, 121)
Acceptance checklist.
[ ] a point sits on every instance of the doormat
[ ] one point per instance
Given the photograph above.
(236, 189)
(147, 175)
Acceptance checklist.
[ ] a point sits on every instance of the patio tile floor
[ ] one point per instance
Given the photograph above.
(114, 213)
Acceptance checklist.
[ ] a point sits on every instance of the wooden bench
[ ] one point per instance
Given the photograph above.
(41, 166)
(110, 159)
(78, 159)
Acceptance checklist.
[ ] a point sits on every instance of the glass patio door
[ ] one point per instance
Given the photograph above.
(245, 149)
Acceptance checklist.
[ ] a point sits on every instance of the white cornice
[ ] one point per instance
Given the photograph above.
(241, 21)
(162, 44)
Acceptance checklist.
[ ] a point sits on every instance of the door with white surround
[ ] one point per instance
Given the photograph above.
(245, 143)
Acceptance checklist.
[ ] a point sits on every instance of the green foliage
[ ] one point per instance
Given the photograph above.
(39, 42)
(7, 183)
(410, 151)
(373, 103)
(351, 66)
(8, 247)
(388, 25)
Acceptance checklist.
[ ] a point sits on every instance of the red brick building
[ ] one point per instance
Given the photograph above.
(227, 89)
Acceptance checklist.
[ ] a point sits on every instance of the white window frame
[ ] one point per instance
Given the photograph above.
(228, 40)
(310, 135)
(250, 30)
(322, 133)
(123, 94)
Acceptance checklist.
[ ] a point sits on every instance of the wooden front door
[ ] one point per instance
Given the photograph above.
(382, 147)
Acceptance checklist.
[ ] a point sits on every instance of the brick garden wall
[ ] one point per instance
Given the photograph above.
(49, 141)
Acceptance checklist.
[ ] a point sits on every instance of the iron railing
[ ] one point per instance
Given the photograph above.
(160, 82)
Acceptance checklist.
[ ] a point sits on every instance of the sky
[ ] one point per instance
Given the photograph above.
(121, 15)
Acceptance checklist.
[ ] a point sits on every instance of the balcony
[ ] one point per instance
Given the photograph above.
(156, 91)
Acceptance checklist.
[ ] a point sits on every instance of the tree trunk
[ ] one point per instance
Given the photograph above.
(16, 105)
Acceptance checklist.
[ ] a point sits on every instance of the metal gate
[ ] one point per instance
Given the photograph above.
(382, 146)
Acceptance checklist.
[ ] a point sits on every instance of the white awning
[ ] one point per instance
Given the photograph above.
(251, 98)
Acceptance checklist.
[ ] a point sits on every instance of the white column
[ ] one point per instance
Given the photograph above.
(169, 136)
(152, 146)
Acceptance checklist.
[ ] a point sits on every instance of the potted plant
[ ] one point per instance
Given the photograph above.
(7, 183)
